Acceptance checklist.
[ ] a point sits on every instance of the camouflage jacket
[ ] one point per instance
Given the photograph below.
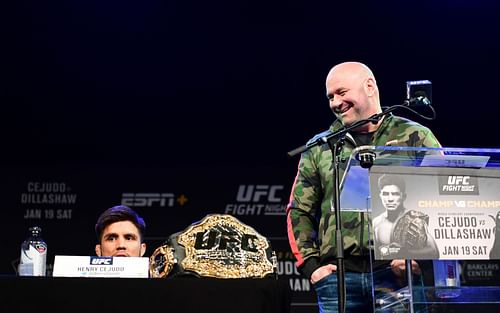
(310, 222)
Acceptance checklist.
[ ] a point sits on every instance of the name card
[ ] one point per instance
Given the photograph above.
(96, 266)
(474, 161)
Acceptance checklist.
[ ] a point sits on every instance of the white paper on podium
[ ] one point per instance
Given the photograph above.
(475, 161)
(95, 266)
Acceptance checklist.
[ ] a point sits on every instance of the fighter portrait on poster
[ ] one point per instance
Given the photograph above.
(424, 213)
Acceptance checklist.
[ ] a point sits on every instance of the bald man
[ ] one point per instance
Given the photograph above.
(353, 95)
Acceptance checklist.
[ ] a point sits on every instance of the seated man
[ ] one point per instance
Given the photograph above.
(120, 232)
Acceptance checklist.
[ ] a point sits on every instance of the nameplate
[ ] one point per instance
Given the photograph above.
(94, 266)
(474, 161)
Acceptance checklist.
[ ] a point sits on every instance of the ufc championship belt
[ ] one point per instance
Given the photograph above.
(218, 246)
(410, 230)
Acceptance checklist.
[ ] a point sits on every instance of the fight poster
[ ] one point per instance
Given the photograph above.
(435, 213)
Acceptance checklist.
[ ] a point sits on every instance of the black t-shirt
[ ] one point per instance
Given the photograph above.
(362, 139)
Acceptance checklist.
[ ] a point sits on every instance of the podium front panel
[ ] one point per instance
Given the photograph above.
(451, 204)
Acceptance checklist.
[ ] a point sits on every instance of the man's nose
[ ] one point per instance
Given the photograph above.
(121, 242)
(335, 102)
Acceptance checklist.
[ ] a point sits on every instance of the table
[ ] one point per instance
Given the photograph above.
(180, 294)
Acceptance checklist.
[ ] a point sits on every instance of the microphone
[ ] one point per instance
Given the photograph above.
(418, 101)
(418, 93)
(366, 157)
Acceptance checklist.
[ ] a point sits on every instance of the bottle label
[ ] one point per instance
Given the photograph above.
(36, 255)
(40, 247)
(39, 251)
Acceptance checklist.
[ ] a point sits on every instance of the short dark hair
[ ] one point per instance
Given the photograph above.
(119, 213)
(386, 180)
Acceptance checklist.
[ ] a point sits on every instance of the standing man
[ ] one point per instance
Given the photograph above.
(120, 232)
(353, 95)
(398, 232)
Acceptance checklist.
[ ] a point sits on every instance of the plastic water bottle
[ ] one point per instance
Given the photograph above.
(446, 278)
(33, 260)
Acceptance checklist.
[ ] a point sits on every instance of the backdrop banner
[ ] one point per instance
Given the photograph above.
(65, 201)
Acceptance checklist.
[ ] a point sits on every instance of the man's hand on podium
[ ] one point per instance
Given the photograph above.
(399, 267)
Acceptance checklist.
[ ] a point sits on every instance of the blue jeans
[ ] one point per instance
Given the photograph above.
(358, 293)
(359, 296)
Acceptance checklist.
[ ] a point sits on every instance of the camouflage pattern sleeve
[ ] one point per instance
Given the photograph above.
(399, 131)
(430, 140)
(302, 213)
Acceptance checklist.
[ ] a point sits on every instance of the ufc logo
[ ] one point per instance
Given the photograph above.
(458, 180)
(258, 193)
(229, 241)
(101, 261)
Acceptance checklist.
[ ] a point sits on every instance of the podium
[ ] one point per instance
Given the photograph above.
(426, 204)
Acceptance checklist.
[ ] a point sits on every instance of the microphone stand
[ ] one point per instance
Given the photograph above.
(336, 148)
(329, 135)
(335, 141)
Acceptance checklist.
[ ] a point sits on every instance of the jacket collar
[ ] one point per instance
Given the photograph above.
(337, 125)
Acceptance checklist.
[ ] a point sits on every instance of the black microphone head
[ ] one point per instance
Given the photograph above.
(366, 157)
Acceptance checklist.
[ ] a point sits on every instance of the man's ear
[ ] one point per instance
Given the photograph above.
(98, 249)
(370, 86)
(143, 249)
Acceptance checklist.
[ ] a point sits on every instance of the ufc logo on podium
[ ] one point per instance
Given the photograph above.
(458, 185)
(458, 180)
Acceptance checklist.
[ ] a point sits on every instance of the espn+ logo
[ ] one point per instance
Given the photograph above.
(148, 199)
(101, 260)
